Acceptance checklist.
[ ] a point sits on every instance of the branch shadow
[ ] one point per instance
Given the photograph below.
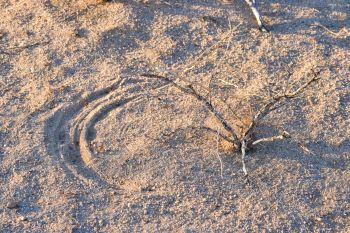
(331, 15)
(322, 154)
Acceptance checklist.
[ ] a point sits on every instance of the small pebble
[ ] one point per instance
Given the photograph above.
(12, 205)
(80, 33)
(22, 218)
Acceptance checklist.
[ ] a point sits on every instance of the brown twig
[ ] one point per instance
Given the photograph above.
(265, 110)
(270, 105)
(271, 139)
(16, 49)
(218, 155)
(190, 90)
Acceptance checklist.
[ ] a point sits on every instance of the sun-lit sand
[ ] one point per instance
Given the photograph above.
(89, 143)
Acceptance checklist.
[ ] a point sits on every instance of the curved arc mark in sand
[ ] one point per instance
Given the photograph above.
(90, 121)
(67, 128)
(57, 122)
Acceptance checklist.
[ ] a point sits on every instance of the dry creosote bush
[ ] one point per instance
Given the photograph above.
(243, 137)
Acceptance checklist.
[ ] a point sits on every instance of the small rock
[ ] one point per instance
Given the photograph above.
(80, 32)
(114, 193)
(12, 205)
(22, 218)
(147, 189)
(226, 212)
(73, 229)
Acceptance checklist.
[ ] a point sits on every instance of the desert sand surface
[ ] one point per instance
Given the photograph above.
(89, 143)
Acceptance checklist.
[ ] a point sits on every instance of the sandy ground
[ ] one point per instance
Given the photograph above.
(88, 144)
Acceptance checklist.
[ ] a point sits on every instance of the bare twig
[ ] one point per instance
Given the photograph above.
(202, 87)
(243, 151)
(270, 105)
(271, 139)
(256, 13)
(224, 137)
(15, 49)
(265, 110)
(190, 90)
(218, 155)
(217, 114)
(228, 83)
(305, 149)
(342, 33)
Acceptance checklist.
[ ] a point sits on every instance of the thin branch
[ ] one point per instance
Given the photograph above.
(256, 13)
(218, 155)
(24, 46)
(342, 33)
(243, 151)
(305, 149)
(314, 78)
(16, 49)
(217, 114)
(271, 139)
(268, 107)
(224, 137)
(228, 83)
(190, 90)
(208, 91)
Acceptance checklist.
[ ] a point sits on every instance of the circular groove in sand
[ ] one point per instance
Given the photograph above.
(67, 127)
